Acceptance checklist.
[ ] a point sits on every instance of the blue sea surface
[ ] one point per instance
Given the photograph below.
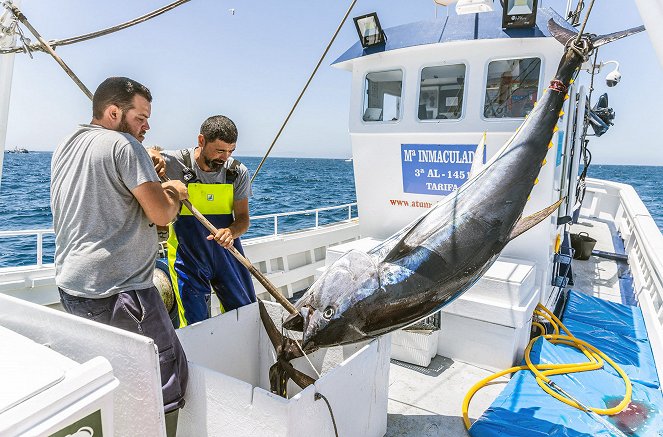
(284, 184)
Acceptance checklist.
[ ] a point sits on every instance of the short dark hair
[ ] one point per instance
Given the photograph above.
(219, 127)
(118, 91)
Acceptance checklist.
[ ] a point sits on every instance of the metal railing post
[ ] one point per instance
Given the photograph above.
(40, 248)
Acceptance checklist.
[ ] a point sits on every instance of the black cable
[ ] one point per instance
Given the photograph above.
(319, 396)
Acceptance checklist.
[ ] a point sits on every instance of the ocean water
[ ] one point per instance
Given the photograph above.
(284, 184)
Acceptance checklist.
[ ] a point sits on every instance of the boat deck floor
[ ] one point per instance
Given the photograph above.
(428, 401)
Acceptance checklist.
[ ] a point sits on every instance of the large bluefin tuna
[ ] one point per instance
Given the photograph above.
(440, 255)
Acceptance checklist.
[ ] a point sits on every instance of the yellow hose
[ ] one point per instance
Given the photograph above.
(595, 361)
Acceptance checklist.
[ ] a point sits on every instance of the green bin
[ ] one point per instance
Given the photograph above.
(582, 245)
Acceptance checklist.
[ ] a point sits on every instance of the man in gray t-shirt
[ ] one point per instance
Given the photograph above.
(105, 198)
(219, 187)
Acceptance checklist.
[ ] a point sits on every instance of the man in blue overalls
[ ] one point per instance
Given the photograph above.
(219, 187)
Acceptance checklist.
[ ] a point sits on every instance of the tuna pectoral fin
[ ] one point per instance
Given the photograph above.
(530, 221)
(286, 350)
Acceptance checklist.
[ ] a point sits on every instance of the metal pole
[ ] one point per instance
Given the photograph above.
(6, 74)
(271, 289)
(245, 262)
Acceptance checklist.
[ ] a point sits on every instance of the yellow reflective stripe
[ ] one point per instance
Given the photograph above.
(172, 255)
(210, 198)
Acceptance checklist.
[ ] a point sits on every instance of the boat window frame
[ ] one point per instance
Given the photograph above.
(542, 71)
(463, 112)
(401, 112)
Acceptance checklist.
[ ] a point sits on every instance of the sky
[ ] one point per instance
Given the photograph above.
(201, 59)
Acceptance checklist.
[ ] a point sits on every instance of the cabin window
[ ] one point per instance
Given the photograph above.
(511, 87)
(382, 101)
(441, 92)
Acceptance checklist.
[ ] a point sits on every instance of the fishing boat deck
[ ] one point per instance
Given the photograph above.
(428, 401)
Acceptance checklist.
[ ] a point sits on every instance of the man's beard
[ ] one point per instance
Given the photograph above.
(213, 165)
(124, 127)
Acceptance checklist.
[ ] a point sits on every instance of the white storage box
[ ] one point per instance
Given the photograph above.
(46, 393)
(228, 393)
(416, 347)
(489, 325)
(363, 244)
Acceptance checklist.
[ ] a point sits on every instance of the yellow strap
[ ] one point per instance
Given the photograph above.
(210, 198)
(172, 256)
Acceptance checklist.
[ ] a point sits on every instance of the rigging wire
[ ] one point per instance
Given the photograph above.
(91, 35)
(301, 94)
(22, 18)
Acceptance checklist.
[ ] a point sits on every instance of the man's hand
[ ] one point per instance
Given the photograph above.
(178, 186)
(158, 161)
(223, 236)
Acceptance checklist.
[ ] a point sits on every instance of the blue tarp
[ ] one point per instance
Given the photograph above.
(523, 409)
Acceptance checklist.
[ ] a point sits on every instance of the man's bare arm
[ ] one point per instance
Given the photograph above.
(160, 201)
(240, 225)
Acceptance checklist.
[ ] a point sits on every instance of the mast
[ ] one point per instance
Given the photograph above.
(6, 74)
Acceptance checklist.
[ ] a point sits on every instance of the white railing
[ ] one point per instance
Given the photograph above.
(29, 232)
(275, 217)
(643, 242)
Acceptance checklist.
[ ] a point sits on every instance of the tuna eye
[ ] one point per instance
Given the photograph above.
(329, 312)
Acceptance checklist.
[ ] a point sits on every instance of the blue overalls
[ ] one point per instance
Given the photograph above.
(196, 263)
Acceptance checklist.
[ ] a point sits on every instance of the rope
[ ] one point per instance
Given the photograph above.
(319, 396)
(301, 94)
(96, 34)
(19, 15)
(584, 23)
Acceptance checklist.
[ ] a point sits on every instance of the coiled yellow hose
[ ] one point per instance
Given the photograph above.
(595, 361)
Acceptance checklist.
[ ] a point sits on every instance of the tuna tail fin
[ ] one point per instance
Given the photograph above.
(605, 39)
(564, 35)
(561, 34)
(526, 223)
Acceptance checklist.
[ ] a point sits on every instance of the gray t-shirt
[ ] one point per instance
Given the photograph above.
(175, 166)
(104, 243)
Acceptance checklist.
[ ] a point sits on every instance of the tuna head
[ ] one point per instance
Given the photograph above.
(332, 307)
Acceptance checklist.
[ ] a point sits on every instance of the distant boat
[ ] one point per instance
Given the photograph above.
(18, 150)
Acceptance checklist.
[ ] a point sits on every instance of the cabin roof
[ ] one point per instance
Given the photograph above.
(487, 25)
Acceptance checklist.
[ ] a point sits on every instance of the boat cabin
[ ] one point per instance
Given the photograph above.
(420, 104)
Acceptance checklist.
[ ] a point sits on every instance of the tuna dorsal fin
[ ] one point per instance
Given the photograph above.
(525, 223)
(560, 33)
(477, 163)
